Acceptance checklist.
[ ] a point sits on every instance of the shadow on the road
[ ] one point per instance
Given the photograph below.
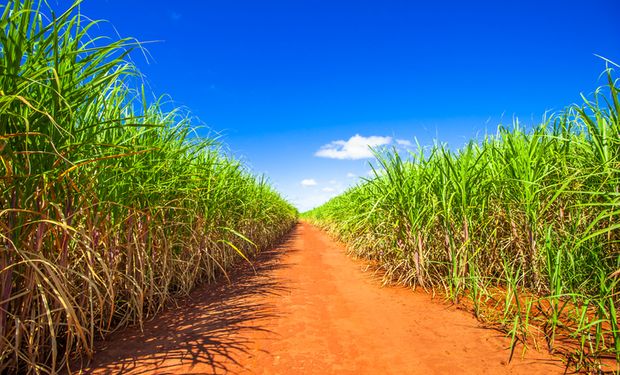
(208, 331)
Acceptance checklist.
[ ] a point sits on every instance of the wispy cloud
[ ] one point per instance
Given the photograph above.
(351, 175)
(308, 182)
(328, 189)
(404, 142)
(174, 16)
(357, 147)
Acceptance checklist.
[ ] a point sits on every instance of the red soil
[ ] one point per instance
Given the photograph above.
(309, 309)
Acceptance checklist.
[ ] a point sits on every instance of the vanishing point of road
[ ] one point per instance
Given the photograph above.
(304, 307)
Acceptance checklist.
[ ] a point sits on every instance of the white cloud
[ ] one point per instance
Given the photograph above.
(404, 142)
(351, 175)
(328, 189)
(375, 172)
(357, 147)
(309, 201)
(308, 182)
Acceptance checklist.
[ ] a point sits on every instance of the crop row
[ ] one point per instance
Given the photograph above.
(523, 222)
(110, 205)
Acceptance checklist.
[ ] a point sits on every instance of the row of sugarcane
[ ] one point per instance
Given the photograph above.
(111, 205)
(523, 222)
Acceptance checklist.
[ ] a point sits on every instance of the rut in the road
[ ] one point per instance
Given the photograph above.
(309, 309)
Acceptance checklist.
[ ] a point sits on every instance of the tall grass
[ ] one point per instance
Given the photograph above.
(523, 222)
(109, 206)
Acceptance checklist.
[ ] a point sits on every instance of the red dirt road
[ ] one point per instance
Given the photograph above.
(309, 309)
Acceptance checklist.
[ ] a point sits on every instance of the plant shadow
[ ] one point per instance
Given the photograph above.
(206, 332)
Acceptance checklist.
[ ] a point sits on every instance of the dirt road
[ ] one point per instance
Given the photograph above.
(309, 309)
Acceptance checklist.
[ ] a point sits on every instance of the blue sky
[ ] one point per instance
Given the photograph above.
(298, 89)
